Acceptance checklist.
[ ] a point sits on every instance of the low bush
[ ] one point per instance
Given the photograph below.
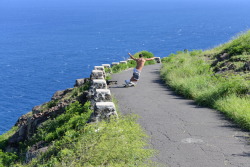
(119, 67)
(7, 159)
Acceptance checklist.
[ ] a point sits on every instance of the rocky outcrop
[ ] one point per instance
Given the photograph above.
(247, 66)
(80, 82)
(223, 56)
(36, 110)
(35, 150)
(60, 94)
(28, 124)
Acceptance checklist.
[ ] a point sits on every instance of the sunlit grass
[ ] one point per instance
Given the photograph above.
(192, 77)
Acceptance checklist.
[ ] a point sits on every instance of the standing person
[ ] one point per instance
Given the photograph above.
(137, 70)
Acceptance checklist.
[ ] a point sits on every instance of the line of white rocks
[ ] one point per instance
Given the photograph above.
(100, 95)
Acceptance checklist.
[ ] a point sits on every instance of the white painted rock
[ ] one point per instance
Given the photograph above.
(158, 59)
(99, 68)
(114, 63)
(97, 74)
(96, 84)
(106, 65)
(123, 62)
(102, 95)
(103, 111)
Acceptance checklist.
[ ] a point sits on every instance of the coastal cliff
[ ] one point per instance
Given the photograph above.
(28, 124)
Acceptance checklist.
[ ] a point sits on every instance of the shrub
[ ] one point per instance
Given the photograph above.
(7, 159)
(146, 54)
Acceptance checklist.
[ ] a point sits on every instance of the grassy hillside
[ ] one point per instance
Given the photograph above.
(217, 78)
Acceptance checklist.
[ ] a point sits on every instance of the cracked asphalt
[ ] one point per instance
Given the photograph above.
(186, 135)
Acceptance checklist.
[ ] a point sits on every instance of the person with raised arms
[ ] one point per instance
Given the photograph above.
(140, 62)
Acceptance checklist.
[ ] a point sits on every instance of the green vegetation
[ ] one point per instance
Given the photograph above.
(239, 45)
(119, 67)
(52, 103)
(112, 143)
(72, 142)
(6, 159)
(231, 57)
(4, 137)
(193, 75)
(73, 120)
(78, 90)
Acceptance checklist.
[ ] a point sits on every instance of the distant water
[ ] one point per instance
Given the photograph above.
(45, 45)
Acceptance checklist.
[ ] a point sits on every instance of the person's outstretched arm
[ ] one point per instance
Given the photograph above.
(131, 56)
(152, 58)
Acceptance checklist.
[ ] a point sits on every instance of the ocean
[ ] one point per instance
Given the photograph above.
(45, 45)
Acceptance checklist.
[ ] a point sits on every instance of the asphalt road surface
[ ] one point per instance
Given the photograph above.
(186, 135)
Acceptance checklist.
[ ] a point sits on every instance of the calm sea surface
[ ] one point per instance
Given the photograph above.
(46, 44)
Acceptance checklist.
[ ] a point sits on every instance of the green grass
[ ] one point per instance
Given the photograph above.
(4, 137)
(74, 118)
(7, 159)
(119, 68)
(76, 92)
(118, 142)
(237, 108)
(239, 45)
(112, 143)
(72, 142)
(192, 76)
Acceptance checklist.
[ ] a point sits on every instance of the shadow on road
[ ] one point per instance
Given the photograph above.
(244, 154)
(118, 86)
(229, 122)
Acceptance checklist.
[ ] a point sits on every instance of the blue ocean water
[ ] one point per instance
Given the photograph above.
(46, 45)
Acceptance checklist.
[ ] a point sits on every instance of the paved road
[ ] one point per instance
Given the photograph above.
(185, 134)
